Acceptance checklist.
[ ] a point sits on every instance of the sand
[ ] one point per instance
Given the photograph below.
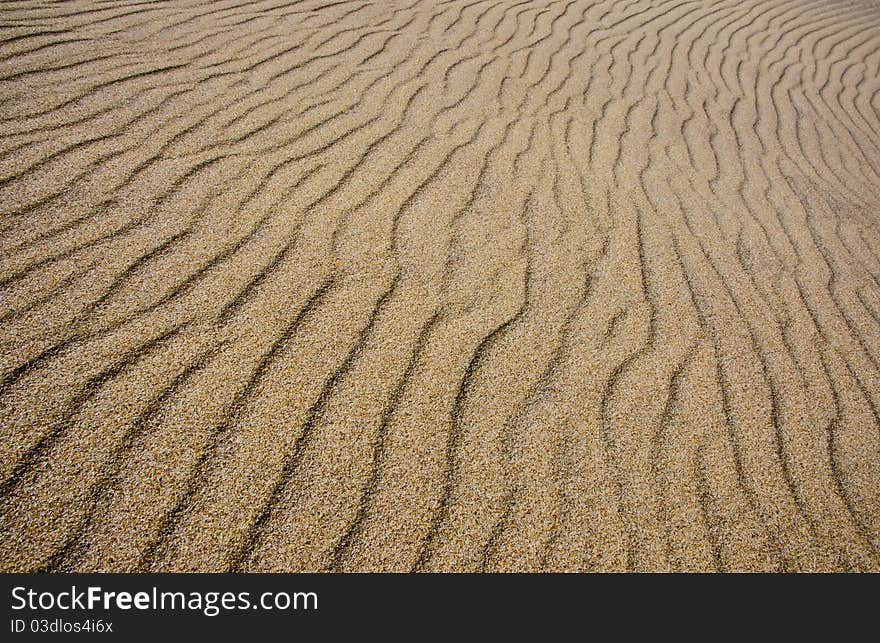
(466, 285)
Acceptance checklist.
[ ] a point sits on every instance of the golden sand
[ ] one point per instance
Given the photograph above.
(440, 285)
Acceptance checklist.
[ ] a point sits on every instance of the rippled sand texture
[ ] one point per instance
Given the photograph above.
(463, 285)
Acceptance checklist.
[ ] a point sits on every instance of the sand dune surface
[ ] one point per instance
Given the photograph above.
(461, 285)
